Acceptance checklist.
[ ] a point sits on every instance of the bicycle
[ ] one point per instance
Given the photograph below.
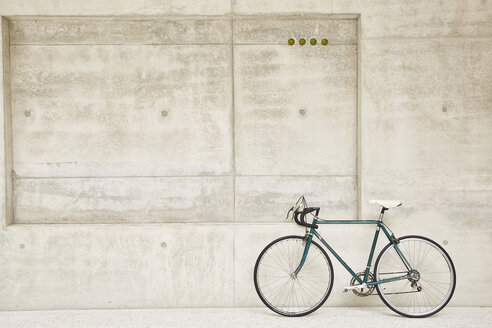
(413, 275)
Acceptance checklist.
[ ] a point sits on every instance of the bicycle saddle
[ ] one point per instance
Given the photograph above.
(386, 203)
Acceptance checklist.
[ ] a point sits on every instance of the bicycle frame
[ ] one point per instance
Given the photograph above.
(380, 226)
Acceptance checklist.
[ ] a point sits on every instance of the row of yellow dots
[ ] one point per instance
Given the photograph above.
(302, 41)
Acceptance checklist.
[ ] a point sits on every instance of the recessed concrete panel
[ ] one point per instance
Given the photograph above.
(119, 31)
(287, 6)
(120, 200)
(108, 266)
(266, 31)
(267, 199)
(115, 7)
(295, 109)
(419, 19)
(6, 213)
(121, 110)
(426, 107)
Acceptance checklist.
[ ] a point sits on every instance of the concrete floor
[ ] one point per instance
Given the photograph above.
(242, 317)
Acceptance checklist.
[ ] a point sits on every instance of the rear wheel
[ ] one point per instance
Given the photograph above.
(432, 279)
(282, 291)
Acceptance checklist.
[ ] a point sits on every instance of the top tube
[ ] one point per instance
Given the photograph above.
(347, 222)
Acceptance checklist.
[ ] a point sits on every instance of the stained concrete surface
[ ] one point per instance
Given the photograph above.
(116, 266)
(123, 31)
(414, 59)
(336, 194)
(295, 110)
(277, 30)
(376, 317)
(113, 200)
(97, 110)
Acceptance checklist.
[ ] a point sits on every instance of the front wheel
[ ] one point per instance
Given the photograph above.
(284, 292)
(431, 281)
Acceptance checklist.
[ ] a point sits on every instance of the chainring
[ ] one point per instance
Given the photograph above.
(363, 291)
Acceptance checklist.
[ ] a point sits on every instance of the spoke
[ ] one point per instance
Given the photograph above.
(275, 260)
(286, 258)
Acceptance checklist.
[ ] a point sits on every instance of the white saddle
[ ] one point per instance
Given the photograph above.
(386, 203)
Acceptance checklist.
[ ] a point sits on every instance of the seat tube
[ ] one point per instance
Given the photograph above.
(374, 242)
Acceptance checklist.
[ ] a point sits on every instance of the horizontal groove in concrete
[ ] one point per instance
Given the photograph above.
(281, 16)
(185, 176)
(177, 44)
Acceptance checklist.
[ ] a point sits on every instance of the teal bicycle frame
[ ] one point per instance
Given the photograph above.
(380, 226)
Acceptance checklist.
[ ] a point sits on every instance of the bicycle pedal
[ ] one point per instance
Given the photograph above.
(346, 289)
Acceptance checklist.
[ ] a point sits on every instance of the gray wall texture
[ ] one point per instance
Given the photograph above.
(151, 149)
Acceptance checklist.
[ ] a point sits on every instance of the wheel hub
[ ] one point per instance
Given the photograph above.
(414, 276)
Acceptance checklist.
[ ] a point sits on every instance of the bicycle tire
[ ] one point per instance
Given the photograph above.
(409, 301)
(292, 245)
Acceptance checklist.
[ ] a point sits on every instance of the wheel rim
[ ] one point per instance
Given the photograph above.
(277, 284)
(432, 282)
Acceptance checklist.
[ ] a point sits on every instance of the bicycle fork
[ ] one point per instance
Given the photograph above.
(307, 239)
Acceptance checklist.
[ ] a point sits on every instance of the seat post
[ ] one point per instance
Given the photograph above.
(382, 214)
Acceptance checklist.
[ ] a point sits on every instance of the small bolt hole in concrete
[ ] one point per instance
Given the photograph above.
(22, 246)
(164, 113)
(163, 245)
(27, 113)
(445, 109)
(302, 111)
(445, 242)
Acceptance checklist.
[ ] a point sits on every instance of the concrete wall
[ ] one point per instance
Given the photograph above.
(418, 94)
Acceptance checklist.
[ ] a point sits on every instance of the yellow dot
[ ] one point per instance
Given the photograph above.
(302, 41)
(291, 42)
(324, 42)
(312, 41)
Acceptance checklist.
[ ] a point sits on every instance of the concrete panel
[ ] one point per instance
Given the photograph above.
(112, 200)
(462, 229)
(286, 6)
(295, 109)
(426, 107)
(267, 199)
(420, 19)
(115, 7)
(117, 31)
(278, 31)
(453, 210)
(82, 267)
(121, 110)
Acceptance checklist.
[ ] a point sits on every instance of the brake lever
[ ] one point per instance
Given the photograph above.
(291, 210)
